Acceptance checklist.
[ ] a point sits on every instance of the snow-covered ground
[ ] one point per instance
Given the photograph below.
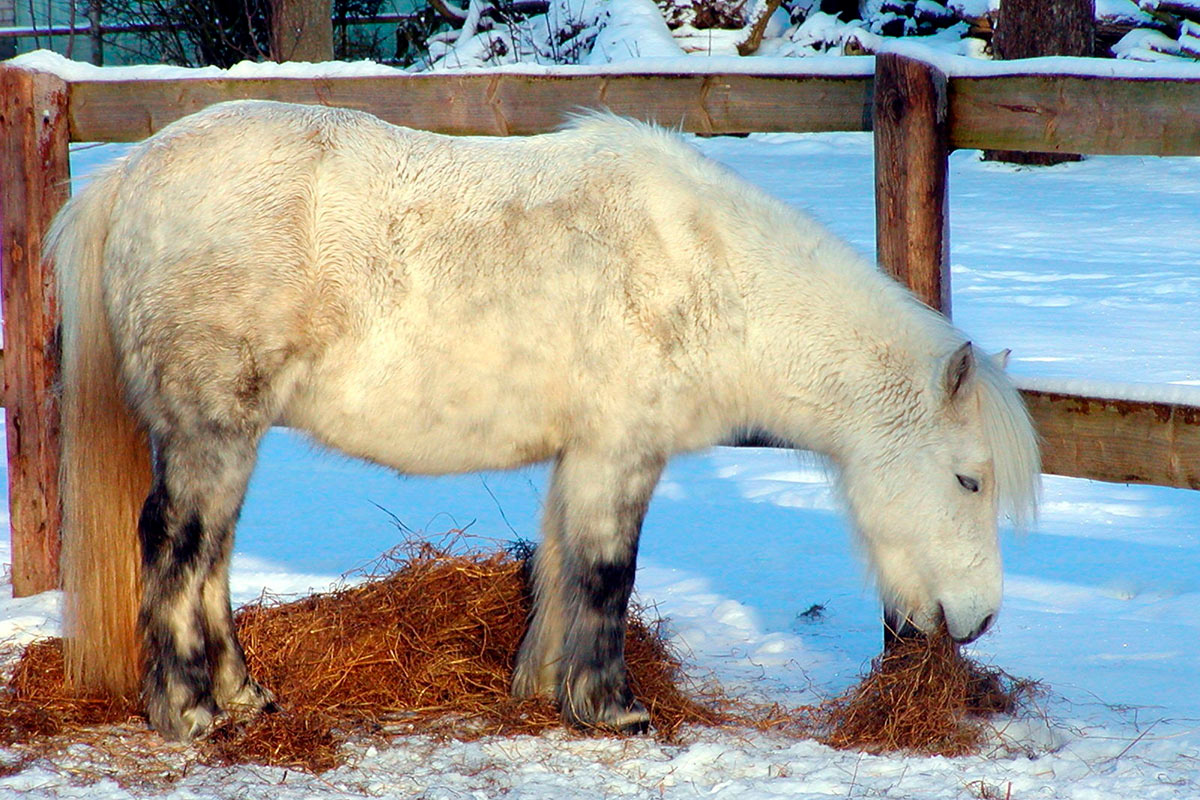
(1087, 270)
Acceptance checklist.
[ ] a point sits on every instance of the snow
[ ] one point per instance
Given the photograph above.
(960, 66)
(1068, 267)
(676, 64)
(974, 9)
(631, 44)
(1121, 10)
(1155, 46)
(1179, 394)
(635, 30)
(49, 61)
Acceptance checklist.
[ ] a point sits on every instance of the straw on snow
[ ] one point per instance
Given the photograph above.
(426, 645)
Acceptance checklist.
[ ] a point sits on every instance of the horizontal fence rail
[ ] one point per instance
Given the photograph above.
(495, 104)
(1046, 113)
(918, 114)
(1076, 114)
(1121, 441)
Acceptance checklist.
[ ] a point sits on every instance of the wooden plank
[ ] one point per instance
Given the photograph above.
(1117, 440)
(34, 183)
(495, 104)
(911, 222)
(1071, 113)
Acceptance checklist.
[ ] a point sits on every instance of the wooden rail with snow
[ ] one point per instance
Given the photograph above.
(918, 115)
(496, 104)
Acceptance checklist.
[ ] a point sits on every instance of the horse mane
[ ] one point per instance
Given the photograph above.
(1008, 429)
(1012, 440)
(1007, 426)
(605, 123)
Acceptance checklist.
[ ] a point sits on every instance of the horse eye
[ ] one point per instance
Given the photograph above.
(970, 484)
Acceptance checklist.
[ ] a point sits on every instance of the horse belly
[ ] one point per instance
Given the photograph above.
(433, 415)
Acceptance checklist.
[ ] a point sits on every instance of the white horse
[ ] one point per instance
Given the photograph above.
(602, 297)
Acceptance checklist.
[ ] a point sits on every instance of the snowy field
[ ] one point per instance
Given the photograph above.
(1087, 270)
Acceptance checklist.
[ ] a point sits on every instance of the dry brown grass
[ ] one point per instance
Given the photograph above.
(426, 645)
(37, 706)
(921, 696)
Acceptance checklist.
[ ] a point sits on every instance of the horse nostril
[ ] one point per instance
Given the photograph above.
(973, 635)
(983, 626)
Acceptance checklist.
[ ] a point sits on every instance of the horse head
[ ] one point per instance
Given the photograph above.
(928, 473)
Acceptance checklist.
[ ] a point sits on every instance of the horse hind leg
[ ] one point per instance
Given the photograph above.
(602, 501)
(194, 665)
(536, 671)
(234, 690)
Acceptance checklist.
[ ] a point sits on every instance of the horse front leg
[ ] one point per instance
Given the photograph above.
(602, 500)
(194, 665)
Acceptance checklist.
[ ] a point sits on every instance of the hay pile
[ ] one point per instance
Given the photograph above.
(921, 696)
(427, 644)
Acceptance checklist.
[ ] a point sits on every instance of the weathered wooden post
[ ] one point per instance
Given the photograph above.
(912, 234)
(911, 162)
(34, 183)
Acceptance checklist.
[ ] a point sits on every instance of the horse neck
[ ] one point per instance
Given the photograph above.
(837, 345)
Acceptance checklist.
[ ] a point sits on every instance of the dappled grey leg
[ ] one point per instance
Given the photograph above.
(186, 528)
(604, 502)
(536, 671)
(233, 688)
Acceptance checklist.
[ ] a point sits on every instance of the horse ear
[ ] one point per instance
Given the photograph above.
(1001, 359)
(959, 368)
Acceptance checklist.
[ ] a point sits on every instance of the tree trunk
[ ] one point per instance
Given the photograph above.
(95, 15)
(1033, 28)
(301, 30)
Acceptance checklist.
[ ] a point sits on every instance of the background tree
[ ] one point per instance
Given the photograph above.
(1032, 28)
(195, 33)
(301, 30)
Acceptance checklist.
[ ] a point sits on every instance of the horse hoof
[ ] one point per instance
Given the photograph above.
(616, 718)
(185, 726)
(632, 720)
(525, 684)
(251, 699)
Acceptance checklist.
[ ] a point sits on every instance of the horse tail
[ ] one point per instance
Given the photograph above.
(105, 470)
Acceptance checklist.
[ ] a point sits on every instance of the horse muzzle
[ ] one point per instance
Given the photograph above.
(965, 635)
(962, 628)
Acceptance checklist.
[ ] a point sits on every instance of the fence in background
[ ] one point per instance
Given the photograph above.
(917, 113)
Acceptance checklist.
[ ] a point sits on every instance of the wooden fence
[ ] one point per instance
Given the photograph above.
(918, 115)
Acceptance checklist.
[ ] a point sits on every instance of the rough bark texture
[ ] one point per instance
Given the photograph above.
(1033, 28)
(911, 147)
(301, 30)
(34, 183)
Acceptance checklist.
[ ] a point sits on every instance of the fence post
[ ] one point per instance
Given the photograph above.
(911, 162)
(912, 235)
(34, 183)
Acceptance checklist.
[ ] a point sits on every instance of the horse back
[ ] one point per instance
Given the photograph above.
(432, 303)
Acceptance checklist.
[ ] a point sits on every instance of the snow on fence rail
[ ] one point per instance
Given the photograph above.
(917, 112)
